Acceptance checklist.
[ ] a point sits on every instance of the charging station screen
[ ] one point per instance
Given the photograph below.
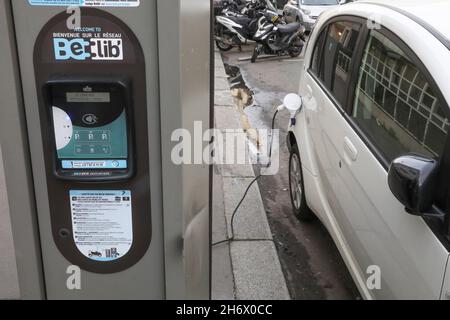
(90, 123)
(84, 97)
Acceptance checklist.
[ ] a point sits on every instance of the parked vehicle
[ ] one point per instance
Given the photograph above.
(275, 37)
(308, 11)
(218, 7)
(229, 7)
(235, 29)
(370, 150)
(291, 12)
(232, 5)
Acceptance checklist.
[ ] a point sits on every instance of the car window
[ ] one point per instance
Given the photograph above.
(395, 105)
(336, 58)
(318, 49)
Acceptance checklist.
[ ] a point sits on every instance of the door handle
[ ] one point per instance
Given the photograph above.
(350, 150)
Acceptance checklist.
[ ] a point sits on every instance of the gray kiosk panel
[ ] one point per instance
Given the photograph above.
(106, 274)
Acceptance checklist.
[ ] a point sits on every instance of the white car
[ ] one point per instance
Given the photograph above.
(370, 152)
(307, 11)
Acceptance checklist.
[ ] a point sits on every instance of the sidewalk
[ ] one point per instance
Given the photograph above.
(241, 270)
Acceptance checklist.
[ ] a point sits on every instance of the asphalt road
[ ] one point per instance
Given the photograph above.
(311, 262)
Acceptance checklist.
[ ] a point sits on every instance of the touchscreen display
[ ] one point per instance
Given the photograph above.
(90, 124)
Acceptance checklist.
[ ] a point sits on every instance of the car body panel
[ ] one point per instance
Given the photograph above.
(318, 196)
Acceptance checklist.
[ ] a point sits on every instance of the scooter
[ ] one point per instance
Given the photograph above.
(275, 37)
(238, 29)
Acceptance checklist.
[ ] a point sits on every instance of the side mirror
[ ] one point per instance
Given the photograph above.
(412, 180)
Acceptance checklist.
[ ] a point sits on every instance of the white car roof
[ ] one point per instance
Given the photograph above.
(431, 14)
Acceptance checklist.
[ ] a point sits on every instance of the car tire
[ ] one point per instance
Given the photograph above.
(297, 187)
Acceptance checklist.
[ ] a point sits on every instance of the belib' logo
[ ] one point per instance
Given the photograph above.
(92, 49)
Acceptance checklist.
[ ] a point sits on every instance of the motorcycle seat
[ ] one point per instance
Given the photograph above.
(243, 21)
(289, 28)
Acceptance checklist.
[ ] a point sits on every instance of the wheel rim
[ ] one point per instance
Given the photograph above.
(296, 182)
(222, 45)
(224, 42)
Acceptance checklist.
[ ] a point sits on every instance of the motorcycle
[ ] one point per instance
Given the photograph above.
(233, 7)
(275, 37)
(236, 29)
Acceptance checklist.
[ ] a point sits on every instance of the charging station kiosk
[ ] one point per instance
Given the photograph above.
(87, 117)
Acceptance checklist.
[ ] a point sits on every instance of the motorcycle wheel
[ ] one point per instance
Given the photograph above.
(296, 48)
(223, 40)
(223, 46)
(294, 53)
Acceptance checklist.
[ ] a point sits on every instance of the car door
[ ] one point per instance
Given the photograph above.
(324, 92)
(394, 109)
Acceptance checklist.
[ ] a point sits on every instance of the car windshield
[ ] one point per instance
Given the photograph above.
(319, 2)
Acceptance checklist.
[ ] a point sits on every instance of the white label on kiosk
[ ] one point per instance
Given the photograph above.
(102, 223)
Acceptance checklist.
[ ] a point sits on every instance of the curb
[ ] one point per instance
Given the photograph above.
(241, 270)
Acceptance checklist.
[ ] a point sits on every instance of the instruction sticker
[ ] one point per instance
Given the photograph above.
(102, 223)
(86, 3)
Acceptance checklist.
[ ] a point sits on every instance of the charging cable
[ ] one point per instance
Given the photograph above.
(235, 212)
